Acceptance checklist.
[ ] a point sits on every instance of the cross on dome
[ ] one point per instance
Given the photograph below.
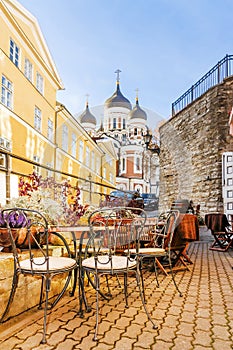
(118, 71)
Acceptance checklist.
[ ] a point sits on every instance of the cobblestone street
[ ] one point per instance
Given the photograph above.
(201, 319)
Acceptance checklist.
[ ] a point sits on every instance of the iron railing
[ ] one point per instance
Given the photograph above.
(215, 76)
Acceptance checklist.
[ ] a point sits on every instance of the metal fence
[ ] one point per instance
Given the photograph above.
(215, 76)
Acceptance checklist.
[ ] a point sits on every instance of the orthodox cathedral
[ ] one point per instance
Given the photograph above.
(137, 167)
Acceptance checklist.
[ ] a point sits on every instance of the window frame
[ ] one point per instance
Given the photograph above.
(37, 119)
(14, 53)
(6, 92)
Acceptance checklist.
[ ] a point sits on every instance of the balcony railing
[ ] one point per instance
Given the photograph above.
(215, 76)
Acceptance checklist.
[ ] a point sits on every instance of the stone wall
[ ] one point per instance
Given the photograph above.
(192, 143)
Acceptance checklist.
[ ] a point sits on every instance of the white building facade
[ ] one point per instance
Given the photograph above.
(138, 167)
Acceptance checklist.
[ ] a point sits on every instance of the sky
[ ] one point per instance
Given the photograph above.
(162, 47)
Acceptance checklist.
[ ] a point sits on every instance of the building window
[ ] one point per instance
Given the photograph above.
(2, 160)
(7, 92)
(36, 168)
(39, 83)
(114, 123)
(138, 164)
(123, 165)
(98, 165)
(135, 131)
(229, 170)
(49, 172)
(37, 119)
(87, 156)
(93, 160)
(123, 137)
(123, 124)
(28, 69)
(65, 137)
(111, 177)
(74, 145)
(14, 53)
(50, 130)
(81, 148)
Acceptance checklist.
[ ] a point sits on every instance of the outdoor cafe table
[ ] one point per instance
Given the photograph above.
(77, 232)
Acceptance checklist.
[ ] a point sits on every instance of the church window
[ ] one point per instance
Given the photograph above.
(135, 131)
(123, 165)
(114, 123)
(138, 164)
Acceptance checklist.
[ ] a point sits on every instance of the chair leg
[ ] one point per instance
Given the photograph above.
(142, 297)
(12, 293)
(47, 289)
(97, 284)
(63, 290)
(126, 289)
(141, 276)
(82, 295)
(173, 275)
(75, 282)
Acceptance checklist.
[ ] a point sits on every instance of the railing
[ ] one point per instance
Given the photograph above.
(215, 76)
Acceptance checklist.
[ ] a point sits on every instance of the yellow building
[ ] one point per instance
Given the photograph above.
(36, 132)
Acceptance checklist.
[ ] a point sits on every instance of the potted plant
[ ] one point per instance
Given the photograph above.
(17, 223)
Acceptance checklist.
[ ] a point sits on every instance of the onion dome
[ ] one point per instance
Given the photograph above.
(87, 116)
(117, 99)
(137, 112)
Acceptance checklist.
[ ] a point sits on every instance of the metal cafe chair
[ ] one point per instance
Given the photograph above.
(163, 249)
(113, 231)
(38, 261)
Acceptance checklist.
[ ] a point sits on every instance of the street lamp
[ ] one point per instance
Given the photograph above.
(150, 143)
(118, 148)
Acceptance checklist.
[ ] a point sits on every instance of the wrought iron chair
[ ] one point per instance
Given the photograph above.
(164, 249)
(113, 231)
(38, 260)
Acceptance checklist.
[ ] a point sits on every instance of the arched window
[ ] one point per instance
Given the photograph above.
(138, 164)
(123, 165)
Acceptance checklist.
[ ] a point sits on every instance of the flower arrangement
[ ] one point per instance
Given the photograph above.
(37, 193)
(15, 220)
(39, 200)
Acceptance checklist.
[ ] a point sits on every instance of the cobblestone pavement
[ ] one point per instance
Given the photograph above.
(201, 319)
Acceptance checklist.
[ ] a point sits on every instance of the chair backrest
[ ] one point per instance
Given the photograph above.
(28, 230)
(114, 230)
(169, 229)
(165, 227)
